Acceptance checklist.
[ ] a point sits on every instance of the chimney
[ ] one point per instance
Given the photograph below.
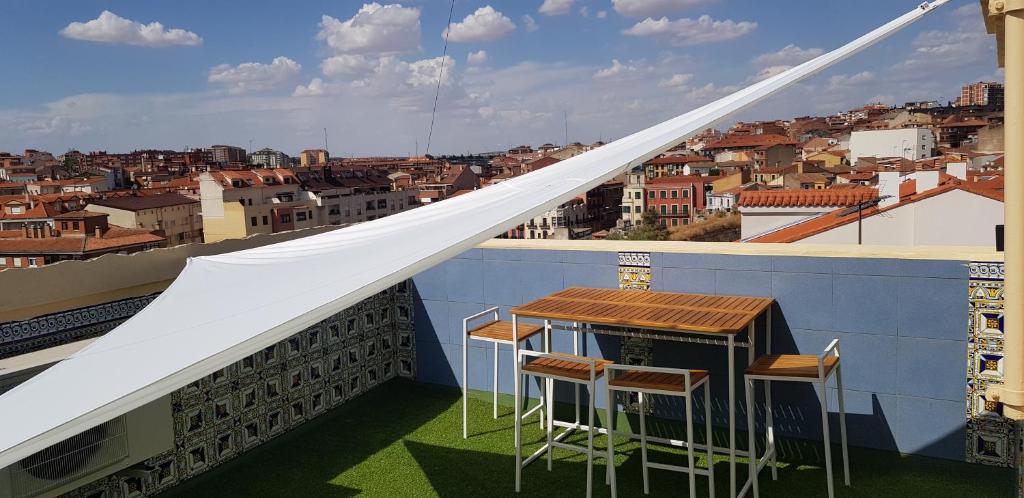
(24, 230)
(888, 185)
(99, 231)
(927, 180)
(958, 170)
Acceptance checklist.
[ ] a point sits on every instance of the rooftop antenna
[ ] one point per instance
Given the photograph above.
(325, 139)
(565, 117)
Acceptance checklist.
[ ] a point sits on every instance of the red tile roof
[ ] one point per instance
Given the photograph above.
(677, 160)
(140, 203)
(801, 198)
(835, 218)
(675, 181)
(740, 141)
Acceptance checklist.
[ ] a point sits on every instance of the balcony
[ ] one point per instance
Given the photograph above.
(904, 321)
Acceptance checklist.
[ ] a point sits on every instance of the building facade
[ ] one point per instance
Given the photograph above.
(908, 143)
(677, 200)
(176, 216)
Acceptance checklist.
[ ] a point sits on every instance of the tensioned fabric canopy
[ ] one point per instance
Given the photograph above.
(223, 308)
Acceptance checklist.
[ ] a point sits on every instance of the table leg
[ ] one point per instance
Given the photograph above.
(576, 351)
(518, 407)
(547, 386)
(732, 416)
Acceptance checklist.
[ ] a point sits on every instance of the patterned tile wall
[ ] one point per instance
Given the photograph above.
(635, 274)
(47, 331)
(991, 439)
(275, 390)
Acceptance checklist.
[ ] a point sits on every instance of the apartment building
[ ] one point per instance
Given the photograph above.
(314, 157)
(633, 199)
(174, 215)
(353, 194)
(77, 235)
(237, 204)
(270, 158)
(676, 199)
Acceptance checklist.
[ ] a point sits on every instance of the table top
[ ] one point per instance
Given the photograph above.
(646, 309)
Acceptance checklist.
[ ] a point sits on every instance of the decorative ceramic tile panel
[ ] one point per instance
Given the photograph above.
(634, 274)
(47, 331)
(991, 439)
(264, 395)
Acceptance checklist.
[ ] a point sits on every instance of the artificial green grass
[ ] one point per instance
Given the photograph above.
(405, 439)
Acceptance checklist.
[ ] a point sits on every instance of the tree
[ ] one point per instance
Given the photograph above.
(650, 228)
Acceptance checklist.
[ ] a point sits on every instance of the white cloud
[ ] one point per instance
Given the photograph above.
(648, 8)
(770, 71)
(114, 29)
(675, 81)
(529, 24)
(315, 88)
(376, 29)
(844, 81)
(486, 24)
(255, 76)
(685, 32)
(476, 58)
(619, 71)
(790, 55)
(709, 92)
(601, 14)
(347, 65)
(556, 7)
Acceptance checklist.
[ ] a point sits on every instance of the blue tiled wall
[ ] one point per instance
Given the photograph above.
(902, 326)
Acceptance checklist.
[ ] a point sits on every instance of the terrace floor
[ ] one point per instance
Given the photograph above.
(404, 439)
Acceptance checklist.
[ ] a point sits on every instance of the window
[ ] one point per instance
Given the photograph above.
(686, 221)
(675, 194)
(249, 201)
(637, 195)
(63, 225)
(253, 221)
(3, 262)
(686, 194)
(382, 203)
(17, 262)
(675, 222)
(637, 209)
(300, 216)
(664, 209)
(686, 210)
(626, 210)
(369, 206)
(74, 226)
(664, 194)
(286, 218)
(32, 262)
(265, 220)
(675, 209)
(650, 194)
(334, 210)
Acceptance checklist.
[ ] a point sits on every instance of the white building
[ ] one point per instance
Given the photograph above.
(633, 198)
(920, 211)
(766, 210)
(908, 143)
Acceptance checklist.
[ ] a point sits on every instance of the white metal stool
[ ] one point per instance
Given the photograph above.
(578, 370)
(795, 368)
(669, 382)
(497, 332)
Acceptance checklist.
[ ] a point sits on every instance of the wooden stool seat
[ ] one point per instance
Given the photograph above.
(657, 381)
(501, 330)
(566, 365)
(791, 365)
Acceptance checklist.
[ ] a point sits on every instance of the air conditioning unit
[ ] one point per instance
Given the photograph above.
(93, 454)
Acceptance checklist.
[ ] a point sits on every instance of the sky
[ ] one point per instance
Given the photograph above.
(121, 75)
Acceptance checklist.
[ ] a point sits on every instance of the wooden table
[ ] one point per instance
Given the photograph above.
(669, 316)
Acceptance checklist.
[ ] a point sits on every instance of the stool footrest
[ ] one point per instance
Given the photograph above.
(533, 410)
(676, 468)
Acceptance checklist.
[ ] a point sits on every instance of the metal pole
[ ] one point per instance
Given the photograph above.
(1011, 393)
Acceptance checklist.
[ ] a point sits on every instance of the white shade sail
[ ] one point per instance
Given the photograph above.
(223, 308)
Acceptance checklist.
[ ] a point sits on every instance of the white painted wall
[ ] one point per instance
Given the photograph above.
(909, 143)
(758, 220)
(955, 218)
